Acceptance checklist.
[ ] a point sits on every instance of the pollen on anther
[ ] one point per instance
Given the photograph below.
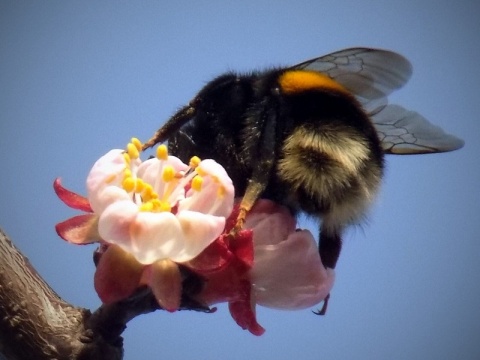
(194, 162)
(168, 173)
(132, 151)
(148, 193)
(163, 206)
(137, 143)
(128, 184)
(126, 158)
(162, 152)
(139, 185)
(197, 183)
(146, 206)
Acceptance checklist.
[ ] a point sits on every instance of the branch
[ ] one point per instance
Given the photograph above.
(35, 323)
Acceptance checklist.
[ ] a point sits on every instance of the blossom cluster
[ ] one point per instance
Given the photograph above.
(154, 217)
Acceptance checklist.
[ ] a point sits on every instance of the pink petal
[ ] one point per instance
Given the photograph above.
(165, 280)
(70, 198)
(117, 276)
(272, 223)
(243, 312)
(290, 275)
(80, 229)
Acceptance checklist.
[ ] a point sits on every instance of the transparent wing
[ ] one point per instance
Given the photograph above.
(406, 132)
(369, 74)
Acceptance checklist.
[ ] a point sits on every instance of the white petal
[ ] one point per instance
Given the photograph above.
(210, 200)
(156, 236)
(107, 171)
(114, 223)
(199, 230)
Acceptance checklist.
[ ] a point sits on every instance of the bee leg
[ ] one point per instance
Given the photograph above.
(254, 189)
(329, 249)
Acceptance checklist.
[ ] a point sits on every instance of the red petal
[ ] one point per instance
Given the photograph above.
(117, 275)
(80, 229)
(243, 311)
(165, 280)
(242, 247)
(70, 198)
(214, 258)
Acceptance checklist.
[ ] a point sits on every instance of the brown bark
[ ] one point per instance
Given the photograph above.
(35, 323)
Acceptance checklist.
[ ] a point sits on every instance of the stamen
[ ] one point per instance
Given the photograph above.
(128, 184)
(139, 185)
(162, 152)
(127, 159)
(132, 151)
(200, 171)
(137, 143)
(164, 206)
(148, 193)
(168, 173)
(197, 183)
(194, 162)
(127, 173)
(146, 206)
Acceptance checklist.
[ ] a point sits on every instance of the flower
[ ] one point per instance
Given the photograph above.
(150, 215)
(286, 272)
(161, 208)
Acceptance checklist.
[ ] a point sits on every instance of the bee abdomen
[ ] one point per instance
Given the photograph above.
(331, 169)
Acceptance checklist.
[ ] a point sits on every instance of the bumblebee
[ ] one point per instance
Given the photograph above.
(311, 137)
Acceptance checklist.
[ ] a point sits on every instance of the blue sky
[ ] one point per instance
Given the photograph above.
(78, 78)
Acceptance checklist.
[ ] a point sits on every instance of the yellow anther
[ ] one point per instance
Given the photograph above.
(148, 193)
(139, 185)
(200, 171)
(132, 151)
(127, 173)
(164, 206)
(137, 143)
(168, 173)
(197, 183)
(194, 162)
(126, 157)
(128, 184)
(162, 152)
(146, 206)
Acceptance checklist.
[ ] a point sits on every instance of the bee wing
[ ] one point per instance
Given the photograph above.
(369, 74)
(406, 132)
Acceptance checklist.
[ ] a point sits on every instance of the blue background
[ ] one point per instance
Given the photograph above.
(78, 78)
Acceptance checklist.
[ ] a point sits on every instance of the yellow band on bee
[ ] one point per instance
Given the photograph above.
(296, 81)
